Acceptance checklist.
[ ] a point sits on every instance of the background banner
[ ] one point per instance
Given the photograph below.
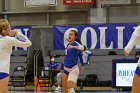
(25, 30)
(137, 1)
(102, 36)
(114, 1)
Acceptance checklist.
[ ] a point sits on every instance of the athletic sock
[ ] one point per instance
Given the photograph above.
(71, 90)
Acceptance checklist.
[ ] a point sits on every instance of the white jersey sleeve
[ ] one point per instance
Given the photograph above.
(20, 41)
(133, 40)
(80, 47)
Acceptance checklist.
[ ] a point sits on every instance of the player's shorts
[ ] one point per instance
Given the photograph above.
(3, 75)
(137, 71)
(72, 73)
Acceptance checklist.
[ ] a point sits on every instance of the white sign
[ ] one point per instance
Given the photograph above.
(32, 3)
(114, 1)
(137, 1)
(124, 74)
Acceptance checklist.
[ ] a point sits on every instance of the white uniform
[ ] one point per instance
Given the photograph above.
(6, 43)
(133, 41)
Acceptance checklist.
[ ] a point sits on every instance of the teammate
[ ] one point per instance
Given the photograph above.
(71, 69)
(8, 38)
(133, 41)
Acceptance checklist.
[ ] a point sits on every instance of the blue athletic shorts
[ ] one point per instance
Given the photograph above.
(3, 75)
(66, 72)
(138, 71)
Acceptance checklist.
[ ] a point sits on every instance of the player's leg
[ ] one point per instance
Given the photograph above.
(136, 81)
(4, 85)
(52, 77)
(77, 90)
(64, 82)
(71, 85)
(72, 79)
(59, 77)
(136, 84)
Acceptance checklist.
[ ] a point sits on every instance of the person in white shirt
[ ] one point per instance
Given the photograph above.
(135, 38)
(8, 38)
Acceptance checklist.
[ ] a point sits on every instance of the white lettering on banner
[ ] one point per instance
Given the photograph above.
(120, 37)
(26, 31)
(121, 30)
(103, 38)
(93, 37)
(66, 34)
(19, 30)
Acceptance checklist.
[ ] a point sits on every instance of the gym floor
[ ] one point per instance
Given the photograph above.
(30, 89)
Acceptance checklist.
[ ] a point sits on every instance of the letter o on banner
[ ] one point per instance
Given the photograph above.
(66, 34)
(93, 37)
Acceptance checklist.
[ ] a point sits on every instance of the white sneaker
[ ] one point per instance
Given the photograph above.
(71, 90)
(58, 88)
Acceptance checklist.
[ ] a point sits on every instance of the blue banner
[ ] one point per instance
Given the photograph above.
(25, 31)
(101, 36)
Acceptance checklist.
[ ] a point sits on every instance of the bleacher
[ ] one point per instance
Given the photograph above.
(100, 62)
(18, 58)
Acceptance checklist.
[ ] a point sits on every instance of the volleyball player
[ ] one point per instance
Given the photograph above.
(59, 75)
(71, 69)
(8, 38)
(135, 38)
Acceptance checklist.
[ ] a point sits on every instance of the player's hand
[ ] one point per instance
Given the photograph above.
(70, 46)
(12, 33)
(4, 33)
(126, 53)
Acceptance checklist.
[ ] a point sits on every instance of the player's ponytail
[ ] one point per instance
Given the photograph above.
(78, 40)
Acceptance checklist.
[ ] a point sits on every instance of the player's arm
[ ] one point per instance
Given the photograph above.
(22, 40)
(76, 46)
(133, 41)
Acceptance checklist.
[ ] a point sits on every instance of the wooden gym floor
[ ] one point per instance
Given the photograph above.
(30, 89)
